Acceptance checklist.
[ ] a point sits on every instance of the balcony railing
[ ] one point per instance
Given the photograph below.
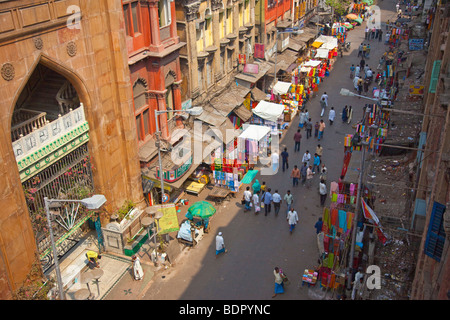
(27, 121)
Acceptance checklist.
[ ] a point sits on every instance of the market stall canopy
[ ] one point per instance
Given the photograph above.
(268, 110)
(352, 16)
(348, 25)
(308, 34)
(230, 99)
(281, 87)
(246, 79)
(322, 53)
(258, 95)
(330, 44)
(201, 209)
(254, 132)
(368, 2)
(312, 63)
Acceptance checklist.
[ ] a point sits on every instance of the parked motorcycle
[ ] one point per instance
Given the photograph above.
(347, 46)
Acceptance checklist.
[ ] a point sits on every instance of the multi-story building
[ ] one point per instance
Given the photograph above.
(67, 122)
(432, 275)
(216, 33)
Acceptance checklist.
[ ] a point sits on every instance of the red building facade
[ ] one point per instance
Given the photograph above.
(153, 58)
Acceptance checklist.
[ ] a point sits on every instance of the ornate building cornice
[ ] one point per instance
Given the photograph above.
(191, 9)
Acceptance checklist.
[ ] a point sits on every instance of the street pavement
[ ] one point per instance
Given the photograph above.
(256, 244)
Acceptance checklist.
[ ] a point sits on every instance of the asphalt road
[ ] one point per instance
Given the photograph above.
(256, 244)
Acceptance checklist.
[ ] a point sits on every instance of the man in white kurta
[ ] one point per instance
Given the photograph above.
(292, 219)
(137, 268)
(220, 244)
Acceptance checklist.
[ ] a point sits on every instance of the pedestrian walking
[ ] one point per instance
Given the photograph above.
(352, 71)
(366, 85)
(284, 158)
(263, 187)
(356, 81)
(367, 51)
(256, 206)
(323, 172)
(292, 219)
(303, 118)
(279, 286)
(357, 71)
(380, 35)
(321, 129)
(303, 172)
(247, 197)
(360, 50)
(318, 226)
(316, 163)
(297, 140)
(220, 244)
(325, 96)
(256, 187)
(309, 176)
(319, 151)
(306, 157)
(322, 192)
(137, 268)
(316, 129)
(344, 114)
(267, 200)
(331, 115)
(295, 175)
(275, 161)
(366, 33)
(308, 128)
(289, 199)
(360, 86)
(362, 62)
(276, 199)
(323, 105)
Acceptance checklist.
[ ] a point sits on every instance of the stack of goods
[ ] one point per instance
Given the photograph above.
(310, 277)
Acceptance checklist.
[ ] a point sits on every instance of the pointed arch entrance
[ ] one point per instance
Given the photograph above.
(50, 136)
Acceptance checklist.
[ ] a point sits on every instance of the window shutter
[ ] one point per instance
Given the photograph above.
(434, 76)
(434, 243)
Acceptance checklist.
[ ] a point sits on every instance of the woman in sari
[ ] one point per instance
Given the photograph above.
(345, 114)
(256, 187)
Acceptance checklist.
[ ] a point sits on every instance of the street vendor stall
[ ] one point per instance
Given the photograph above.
(203, 211)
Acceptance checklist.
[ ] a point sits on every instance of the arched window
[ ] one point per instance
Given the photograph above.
(141, 109)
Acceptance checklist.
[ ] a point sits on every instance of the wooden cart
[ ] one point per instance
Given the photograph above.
(219, 194)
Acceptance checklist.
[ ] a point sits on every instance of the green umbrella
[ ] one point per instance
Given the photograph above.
(359, 20)
(369, 2)
(201, 209)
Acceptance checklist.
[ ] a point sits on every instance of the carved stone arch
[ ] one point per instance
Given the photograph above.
(170, 78)
(72, 76)
(140, 93)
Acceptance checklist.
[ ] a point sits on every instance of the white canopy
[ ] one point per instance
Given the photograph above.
(330, 44)
(322, 53)
(311, 63)
(255, 132)
(281, 87)
(268, 110)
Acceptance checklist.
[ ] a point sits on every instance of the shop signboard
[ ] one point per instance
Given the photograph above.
(251, 68)
(259, 51)
(169, 221)
(415, 44)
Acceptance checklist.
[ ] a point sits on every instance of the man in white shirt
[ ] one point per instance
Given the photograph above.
(276, 198)
(220, 244)
(331, 115)
(306, 157)
(275, 159)
(247, 199)
(322, 192)
(292, 219)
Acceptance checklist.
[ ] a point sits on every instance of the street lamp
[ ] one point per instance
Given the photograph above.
(92, 203)
(193, 111)
(346, 92)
